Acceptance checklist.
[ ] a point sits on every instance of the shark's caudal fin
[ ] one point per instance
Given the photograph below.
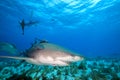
(9, 48)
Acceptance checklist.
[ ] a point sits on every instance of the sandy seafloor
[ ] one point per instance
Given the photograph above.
(90, 69)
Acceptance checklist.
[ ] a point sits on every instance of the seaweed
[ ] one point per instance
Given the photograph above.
(96, 75)
(117, 68)
(82, 65)
(105, 70)
(114, 76)
(84, 76)
(19, 77)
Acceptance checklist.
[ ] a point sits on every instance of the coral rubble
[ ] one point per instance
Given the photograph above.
(89, 69)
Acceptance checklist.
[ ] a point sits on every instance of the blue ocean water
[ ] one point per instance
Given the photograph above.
(89, 27)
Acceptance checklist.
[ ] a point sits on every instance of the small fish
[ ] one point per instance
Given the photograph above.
(49, 54)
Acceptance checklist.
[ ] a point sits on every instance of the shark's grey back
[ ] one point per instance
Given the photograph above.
(48, 49)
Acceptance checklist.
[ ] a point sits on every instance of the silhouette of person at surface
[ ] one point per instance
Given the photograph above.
(23, 24)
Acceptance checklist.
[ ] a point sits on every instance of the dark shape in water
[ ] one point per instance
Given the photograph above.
(24, 24)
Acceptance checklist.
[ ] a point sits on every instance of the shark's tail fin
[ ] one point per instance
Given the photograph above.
(9, 48)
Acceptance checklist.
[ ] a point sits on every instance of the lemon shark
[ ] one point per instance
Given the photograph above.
(44, 53)
(9, 48)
